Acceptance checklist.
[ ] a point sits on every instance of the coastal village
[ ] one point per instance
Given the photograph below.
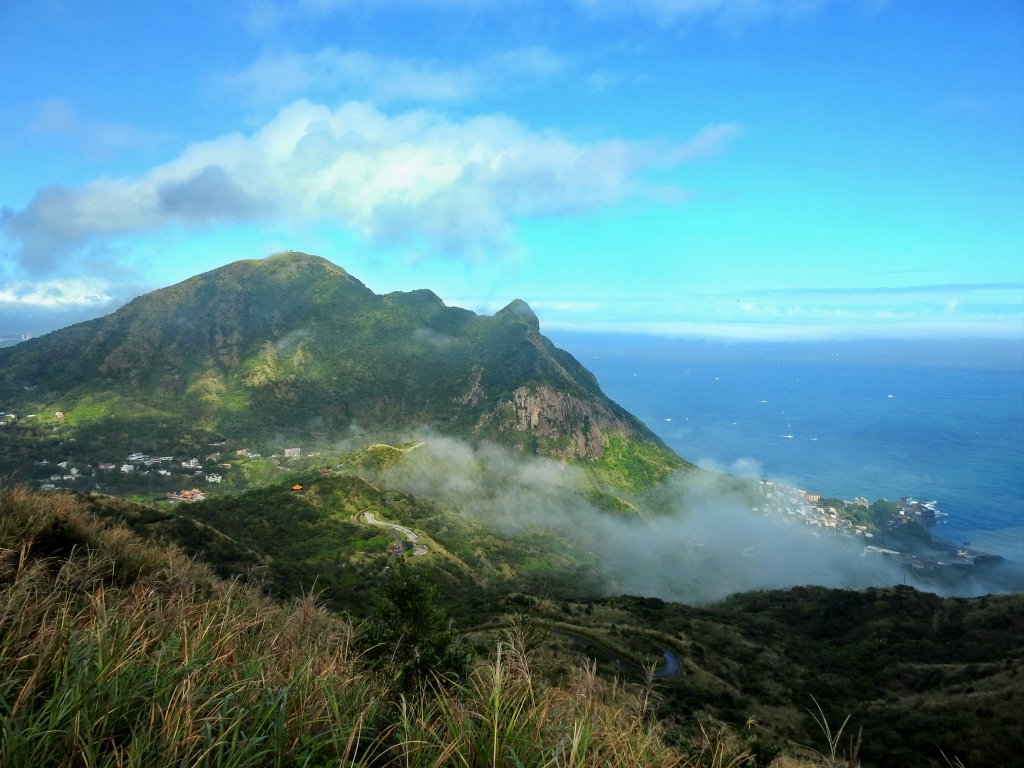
(809, 508)
(870, 521)
(209, 471)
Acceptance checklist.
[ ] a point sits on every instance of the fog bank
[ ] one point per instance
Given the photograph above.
(705, 544)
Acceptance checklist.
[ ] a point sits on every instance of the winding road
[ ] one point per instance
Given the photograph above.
(671, 666)
(397, 530)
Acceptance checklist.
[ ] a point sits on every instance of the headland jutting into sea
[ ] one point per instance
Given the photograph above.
(897, 530)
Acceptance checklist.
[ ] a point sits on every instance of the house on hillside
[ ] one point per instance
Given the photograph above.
(193, 495)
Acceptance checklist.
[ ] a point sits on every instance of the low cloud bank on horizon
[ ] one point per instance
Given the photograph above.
(993, 310)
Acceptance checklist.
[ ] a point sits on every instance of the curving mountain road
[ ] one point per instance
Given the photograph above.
(398, 530)
(671, 666)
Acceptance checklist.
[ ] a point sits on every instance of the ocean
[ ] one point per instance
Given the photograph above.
(934, 420)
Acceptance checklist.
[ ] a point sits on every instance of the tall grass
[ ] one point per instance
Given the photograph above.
(115, 652)
(172, 668)
(503, 718)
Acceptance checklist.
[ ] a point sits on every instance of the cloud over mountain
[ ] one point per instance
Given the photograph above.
(453, 186)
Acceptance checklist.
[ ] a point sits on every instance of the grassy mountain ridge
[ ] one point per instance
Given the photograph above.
(294, 542)
(114, 652)
(922, 676)
(293, 343)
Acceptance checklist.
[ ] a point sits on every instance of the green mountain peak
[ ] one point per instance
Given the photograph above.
(519, 311)
(294, 344)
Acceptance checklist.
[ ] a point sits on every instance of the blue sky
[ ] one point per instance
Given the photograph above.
(756, 169)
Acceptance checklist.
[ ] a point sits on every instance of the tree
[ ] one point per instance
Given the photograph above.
(411, 635)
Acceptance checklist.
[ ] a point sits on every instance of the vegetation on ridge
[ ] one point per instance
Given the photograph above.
(293, 345)
(113, 652)
(921, 675)
(125, 654)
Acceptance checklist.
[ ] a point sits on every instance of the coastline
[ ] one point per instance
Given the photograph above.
(901, 531)
(819, 415)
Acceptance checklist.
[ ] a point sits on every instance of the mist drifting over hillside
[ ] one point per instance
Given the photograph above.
(703, 543)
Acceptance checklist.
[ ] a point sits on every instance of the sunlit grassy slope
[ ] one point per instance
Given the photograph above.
(922, 675)
(114, 652)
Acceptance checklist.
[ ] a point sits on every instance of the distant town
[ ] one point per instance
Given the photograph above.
(872, 521)
(210, 470)
(808, 508)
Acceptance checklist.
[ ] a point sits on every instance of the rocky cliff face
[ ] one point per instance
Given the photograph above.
(557, 423)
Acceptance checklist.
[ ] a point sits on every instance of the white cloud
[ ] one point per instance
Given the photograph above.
(278, 76)
(56, 294)
(960, 105)
(871, 327)
(323, 7)
(603, 79)
(266, 15)
(979, 310)
(457, 187)
(566, 306)
(711, 140)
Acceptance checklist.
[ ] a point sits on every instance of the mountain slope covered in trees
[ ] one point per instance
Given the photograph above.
(294, 344)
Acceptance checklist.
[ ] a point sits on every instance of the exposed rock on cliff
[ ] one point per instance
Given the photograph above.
(557, 423)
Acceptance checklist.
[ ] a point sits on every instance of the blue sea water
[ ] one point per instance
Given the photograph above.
(927, 419)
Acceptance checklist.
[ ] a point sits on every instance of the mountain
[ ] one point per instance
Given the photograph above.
(294, 348)
(294, 344)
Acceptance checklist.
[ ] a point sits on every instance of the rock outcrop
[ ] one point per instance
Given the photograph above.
(559, 423)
